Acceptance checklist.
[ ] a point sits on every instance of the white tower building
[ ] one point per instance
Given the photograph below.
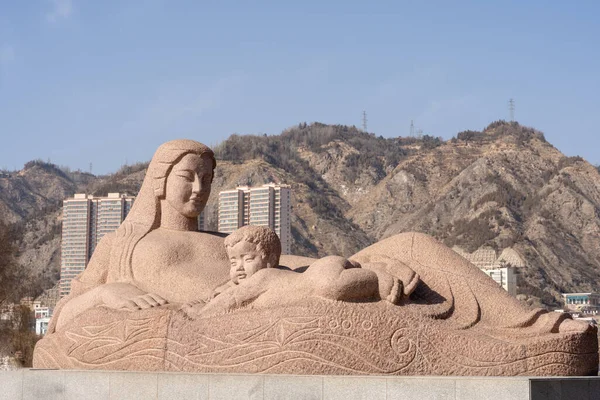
(267, 205)
(86, 219)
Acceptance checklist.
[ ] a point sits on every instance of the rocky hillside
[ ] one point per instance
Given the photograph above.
(504, 188)
(30, 202)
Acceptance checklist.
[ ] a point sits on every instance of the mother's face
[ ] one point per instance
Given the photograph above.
(188, 185)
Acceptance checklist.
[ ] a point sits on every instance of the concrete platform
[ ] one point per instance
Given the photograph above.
(32, 384)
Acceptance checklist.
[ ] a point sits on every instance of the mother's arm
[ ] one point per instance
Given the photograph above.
(117, 295)
(94, 275)
(91, 289)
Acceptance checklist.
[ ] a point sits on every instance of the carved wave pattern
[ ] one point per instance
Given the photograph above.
(111, 343)
(355, 343)
(344, 345)
(330, 344)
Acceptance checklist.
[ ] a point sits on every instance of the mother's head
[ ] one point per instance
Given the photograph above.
(168, 177)
(171, 153)
(177, 166)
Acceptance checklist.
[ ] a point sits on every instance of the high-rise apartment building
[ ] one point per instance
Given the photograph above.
(267, 205)
(86, 219)
(201, 222)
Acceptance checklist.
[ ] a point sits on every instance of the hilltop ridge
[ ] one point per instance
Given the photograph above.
(504, 187)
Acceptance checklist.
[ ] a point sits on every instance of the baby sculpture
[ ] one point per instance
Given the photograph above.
(254, 253)
(407, 305)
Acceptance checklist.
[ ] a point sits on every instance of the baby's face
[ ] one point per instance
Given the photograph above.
(245, 259)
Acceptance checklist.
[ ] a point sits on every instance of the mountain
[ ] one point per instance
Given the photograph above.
(504, 188)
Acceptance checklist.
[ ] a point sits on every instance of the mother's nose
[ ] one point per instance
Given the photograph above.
(200, 185)
(197, 184)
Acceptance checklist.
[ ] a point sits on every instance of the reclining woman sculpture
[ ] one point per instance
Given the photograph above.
(124, 310)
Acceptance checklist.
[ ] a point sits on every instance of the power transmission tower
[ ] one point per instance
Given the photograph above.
(420, 134)
(90, 168)
(412, 128)
(511, 109)
(364, 121)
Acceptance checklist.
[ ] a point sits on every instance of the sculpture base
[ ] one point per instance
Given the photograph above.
(318, 338)
(101, 385)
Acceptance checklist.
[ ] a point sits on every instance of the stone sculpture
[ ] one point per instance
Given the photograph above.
(130, 308)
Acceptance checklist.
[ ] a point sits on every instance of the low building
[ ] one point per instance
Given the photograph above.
(502, 268)
(41, 325)
(505, 277)
(42, 312)
(586, 303)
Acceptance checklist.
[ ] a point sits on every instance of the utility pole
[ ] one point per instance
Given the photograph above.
(412, 128)
(511, 109)
(364, 124)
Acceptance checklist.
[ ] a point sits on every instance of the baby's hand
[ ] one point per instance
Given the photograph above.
(195, 303)
(193, 307)
(409, 279)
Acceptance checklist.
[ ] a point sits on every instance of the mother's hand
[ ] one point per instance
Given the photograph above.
(126, 296)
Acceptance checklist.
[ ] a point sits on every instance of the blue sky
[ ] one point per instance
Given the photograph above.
(105, 82)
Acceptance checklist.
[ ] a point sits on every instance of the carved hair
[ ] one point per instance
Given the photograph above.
(145, 213)
(169, 154)
(264, 238)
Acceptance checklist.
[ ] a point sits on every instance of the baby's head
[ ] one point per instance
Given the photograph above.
(251, 248)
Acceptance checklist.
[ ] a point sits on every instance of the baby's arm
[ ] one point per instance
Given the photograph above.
(194, 307)
(382, 278)
(390, 271)
(233, 297)
(337, 278)
(221, 289)
(389, 287)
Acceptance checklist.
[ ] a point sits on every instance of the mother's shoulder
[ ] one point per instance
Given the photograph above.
(213, 233)
(165, 233)
(158, 240)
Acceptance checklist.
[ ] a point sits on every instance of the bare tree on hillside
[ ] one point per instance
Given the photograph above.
(10, 276)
